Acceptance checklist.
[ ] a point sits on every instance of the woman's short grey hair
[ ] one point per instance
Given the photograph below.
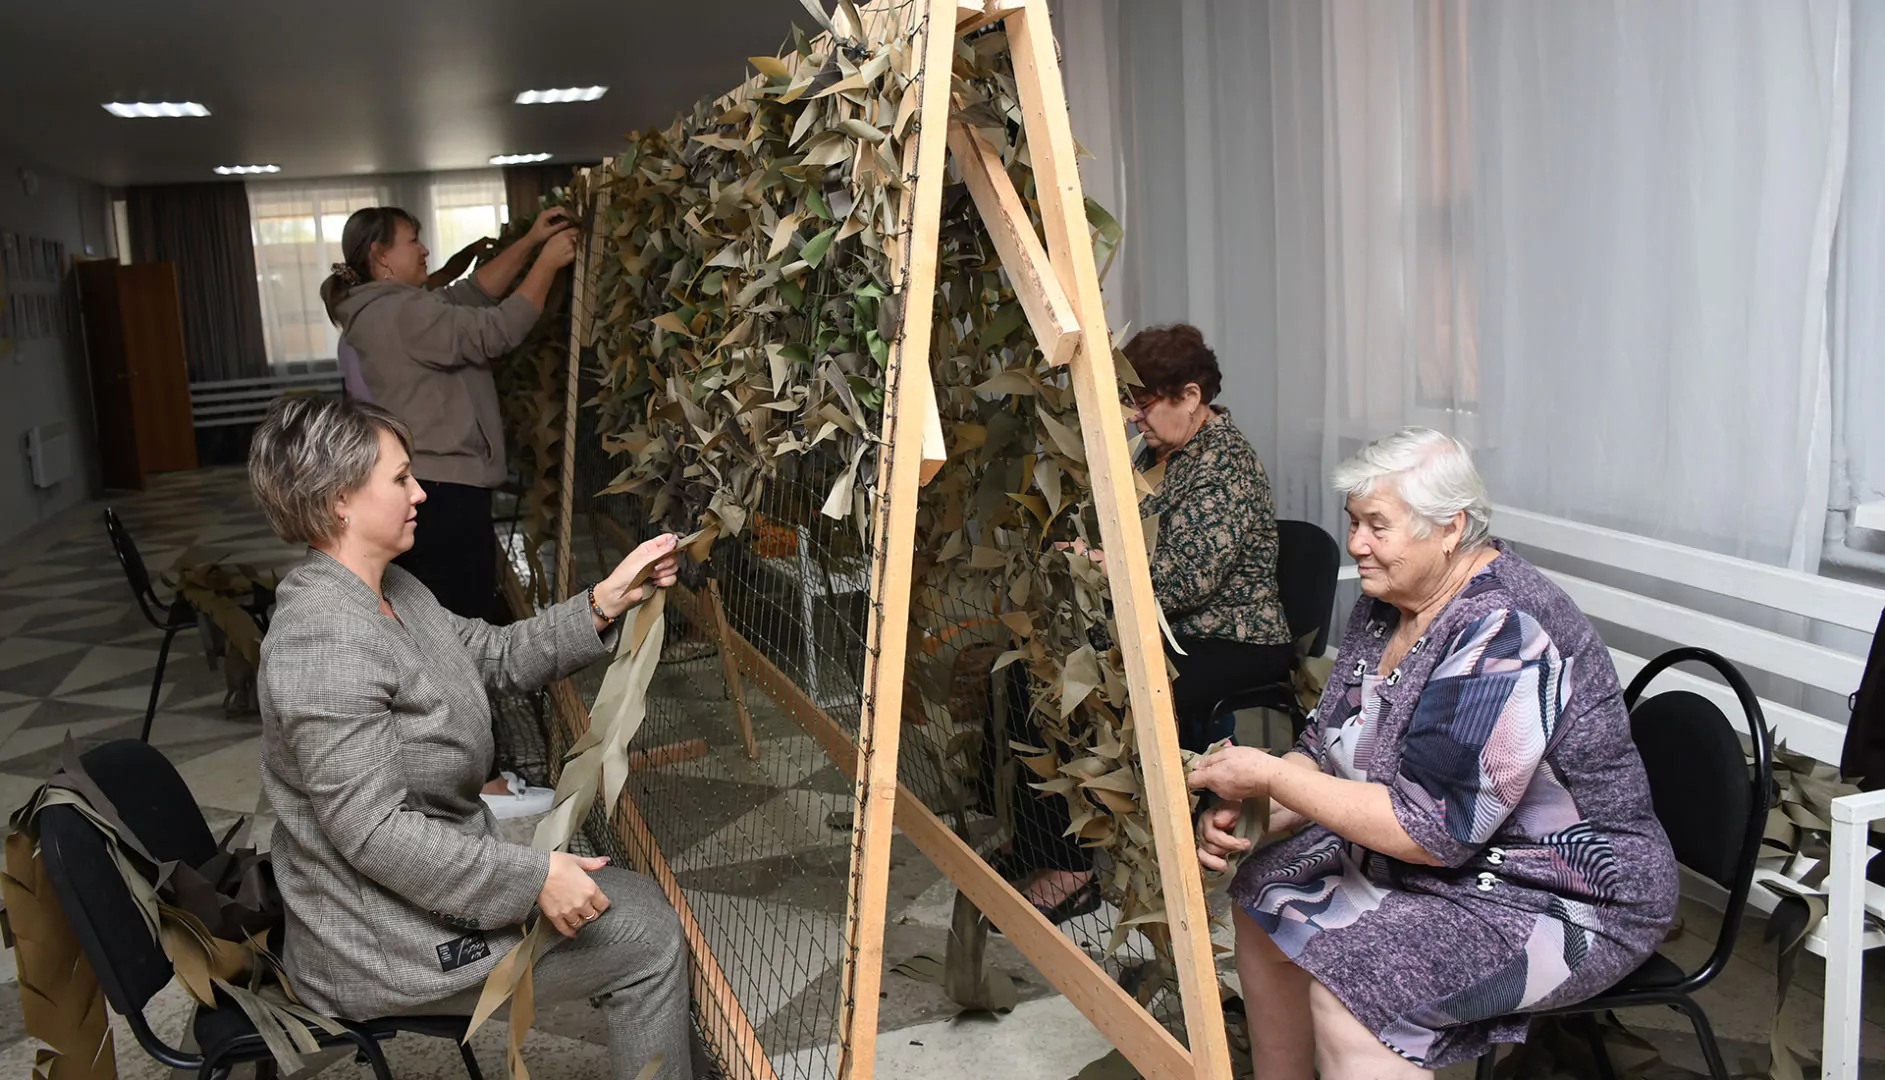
(311, 450)
(1434, 475)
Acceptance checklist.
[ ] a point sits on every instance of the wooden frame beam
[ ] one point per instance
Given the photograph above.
(909, 399)
(582, 280)
(1050, 313)
(730, 672)
(1096, 388)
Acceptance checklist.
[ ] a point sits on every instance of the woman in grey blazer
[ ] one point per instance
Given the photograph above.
(376, 739)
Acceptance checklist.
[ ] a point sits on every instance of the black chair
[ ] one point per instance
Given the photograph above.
(1714, 808)
(171, 618)
(1307, 561)
(153, 800)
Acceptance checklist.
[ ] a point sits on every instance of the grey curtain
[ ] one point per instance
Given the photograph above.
(204, 230)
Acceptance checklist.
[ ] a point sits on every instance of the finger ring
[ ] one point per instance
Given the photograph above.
(589, 918)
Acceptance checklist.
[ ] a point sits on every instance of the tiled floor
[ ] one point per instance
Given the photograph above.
(750, 841)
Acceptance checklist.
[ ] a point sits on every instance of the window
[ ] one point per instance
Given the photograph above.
(465, 209)
(297, 226)
(297, 240)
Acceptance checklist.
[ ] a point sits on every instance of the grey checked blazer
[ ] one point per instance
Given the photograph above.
(376, 739)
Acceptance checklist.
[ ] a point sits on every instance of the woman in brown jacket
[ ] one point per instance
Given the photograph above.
(426, 357)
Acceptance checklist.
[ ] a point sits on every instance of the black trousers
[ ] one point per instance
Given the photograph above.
(454, 551)
(1213, 669)
(1210, 671)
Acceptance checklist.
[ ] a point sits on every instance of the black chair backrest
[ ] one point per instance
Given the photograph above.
(153, 801)
(1307, 560)
(1698, 778)
(133, 563)
(1711, 803)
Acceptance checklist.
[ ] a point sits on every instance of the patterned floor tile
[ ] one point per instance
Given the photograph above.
(17, 652)
(38, 574)
(36, 751)
(104, 664)
(228, 779)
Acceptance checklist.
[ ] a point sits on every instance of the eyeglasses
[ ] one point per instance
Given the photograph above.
(1135, 403)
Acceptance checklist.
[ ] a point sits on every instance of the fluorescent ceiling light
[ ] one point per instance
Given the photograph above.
(519, 159)
(149, 109)
(245, 170)
(560, 97)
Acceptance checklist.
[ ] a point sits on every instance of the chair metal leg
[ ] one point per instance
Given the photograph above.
(1600, 1053)
(370, 1049)
(1705, 1034)
(471, 1061)
(157, 681)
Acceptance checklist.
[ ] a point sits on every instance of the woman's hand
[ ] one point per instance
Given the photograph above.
(548, 224)
(1216, 839)
(570, 898)
(652, 565)
(559, 250)
(1078, 547)
(1235, 772)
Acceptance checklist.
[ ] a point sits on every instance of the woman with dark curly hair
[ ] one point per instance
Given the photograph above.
(1213, 574)
(1214, 563)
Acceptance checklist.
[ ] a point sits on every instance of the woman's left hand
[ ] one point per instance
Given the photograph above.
(1235, 772)
(548, 224)
(650, 566)
(1078, 547)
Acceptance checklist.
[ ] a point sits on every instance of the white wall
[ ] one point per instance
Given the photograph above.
(45, 380)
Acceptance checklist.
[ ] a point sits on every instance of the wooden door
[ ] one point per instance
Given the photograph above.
(111, 375)
(160, 376)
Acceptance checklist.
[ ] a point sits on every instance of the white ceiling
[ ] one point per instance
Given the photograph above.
(335, 87)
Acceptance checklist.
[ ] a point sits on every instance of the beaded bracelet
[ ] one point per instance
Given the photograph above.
(607, 620)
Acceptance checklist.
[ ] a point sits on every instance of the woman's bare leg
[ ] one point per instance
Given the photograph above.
(1346, 1050)
(1276, 1005)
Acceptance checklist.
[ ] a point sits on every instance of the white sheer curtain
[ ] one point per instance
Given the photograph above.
(1858, 308)
(1590, 237)
(298, 224)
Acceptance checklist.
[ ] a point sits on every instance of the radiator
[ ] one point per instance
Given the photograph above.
(49, 449)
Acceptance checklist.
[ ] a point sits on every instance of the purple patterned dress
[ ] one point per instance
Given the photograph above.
(1504, 744)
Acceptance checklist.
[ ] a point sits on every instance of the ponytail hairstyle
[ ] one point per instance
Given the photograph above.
(375, 226)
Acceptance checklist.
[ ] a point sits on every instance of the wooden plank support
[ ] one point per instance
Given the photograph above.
(1096, 388)
(582, 280)
(907, 393)
(730, 671)
(1050, 313)
(1142, 1039)
(935, 450)
(724, 1022)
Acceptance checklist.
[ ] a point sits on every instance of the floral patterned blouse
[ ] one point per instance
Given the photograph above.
(1214, 565)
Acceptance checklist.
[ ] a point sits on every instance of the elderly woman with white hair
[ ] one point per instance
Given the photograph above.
(1468, 833)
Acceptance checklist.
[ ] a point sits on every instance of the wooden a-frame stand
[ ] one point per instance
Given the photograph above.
(1057, 284)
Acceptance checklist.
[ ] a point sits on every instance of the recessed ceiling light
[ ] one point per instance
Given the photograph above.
(150, 109)
(245, 170)
(519, 159)
(559, 97)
